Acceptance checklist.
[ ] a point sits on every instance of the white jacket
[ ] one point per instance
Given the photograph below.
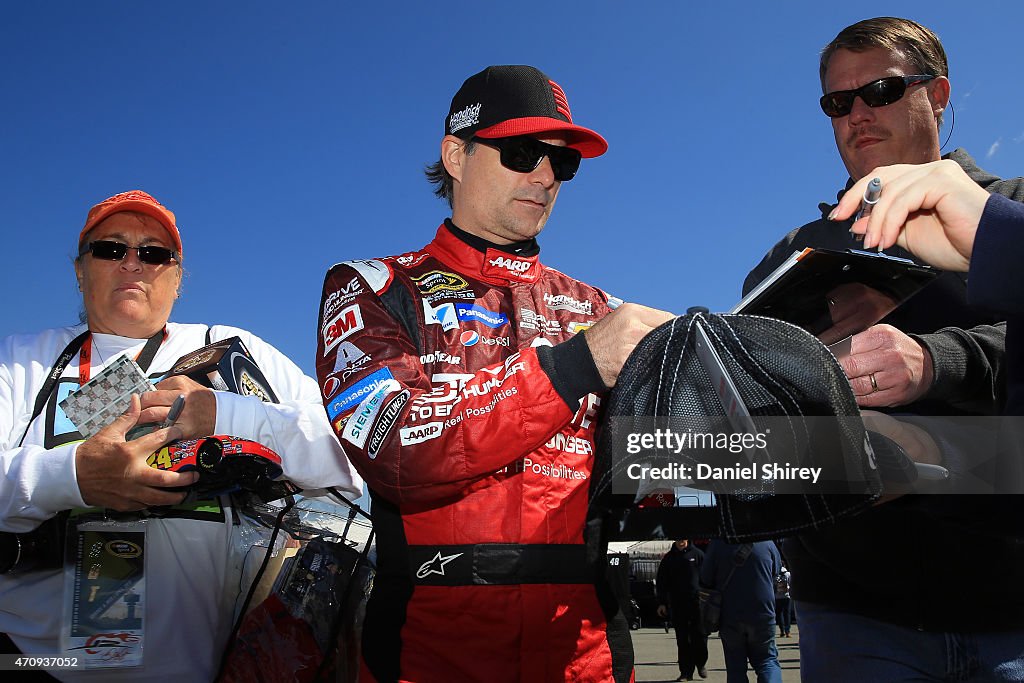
(191, 584)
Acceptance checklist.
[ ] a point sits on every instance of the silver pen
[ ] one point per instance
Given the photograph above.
(871, 196)
(175, 412)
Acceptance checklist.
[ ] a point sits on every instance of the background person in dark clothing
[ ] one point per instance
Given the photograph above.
(936, 355)
(677, 585)
(783, 608)
(748, 608)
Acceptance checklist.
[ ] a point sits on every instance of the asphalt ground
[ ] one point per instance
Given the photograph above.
(655, 656)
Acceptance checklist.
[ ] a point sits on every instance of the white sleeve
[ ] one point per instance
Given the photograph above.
(35, 483)
(296, 428)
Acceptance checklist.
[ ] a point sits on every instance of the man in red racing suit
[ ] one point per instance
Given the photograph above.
(459, 382)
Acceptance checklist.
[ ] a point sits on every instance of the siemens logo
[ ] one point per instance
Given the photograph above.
(476, 313)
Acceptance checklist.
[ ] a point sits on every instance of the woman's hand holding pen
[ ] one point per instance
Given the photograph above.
(198, 417)
(931, 210)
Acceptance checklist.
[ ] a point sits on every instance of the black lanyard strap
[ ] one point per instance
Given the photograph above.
(73, 347)
(149, 350)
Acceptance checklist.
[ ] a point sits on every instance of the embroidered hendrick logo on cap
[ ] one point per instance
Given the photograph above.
(469, 116)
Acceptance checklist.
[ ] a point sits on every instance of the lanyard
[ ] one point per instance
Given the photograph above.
(144, 359)
(84, 342)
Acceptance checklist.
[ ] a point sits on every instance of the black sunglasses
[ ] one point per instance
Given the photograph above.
(523, 154)
(875, 94)
(109, 250)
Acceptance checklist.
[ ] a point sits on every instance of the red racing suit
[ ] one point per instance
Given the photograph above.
(458, 384)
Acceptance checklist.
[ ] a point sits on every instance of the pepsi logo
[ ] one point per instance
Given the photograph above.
(469, 337)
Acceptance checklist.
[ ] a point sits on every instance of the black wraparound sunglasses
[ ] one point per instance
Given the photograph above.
(523, 154)
(108, 250)
(875, 94)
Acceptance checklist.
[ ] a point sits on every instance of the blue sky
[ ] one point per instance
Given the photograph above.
(290, 136)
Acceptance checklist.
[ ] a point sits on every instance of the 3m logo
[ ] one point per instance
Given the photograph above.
(347, 322)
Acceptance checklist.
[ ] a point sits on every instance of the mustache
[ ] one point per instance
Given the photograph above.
(866, 132)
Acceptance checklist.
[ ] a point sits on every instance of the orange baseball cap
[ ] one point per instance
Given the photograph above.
(133, 200)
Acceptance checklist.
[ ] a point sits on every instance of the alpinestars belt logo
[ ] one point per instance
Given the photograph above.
(435, 565)
(470, 116)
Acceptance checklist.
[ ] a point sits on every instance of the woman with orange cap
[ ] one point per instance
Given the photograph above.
(172, 625)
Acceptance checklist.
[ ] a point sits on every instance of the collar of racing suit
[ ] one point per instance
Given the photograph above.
(492, 263)
(524, 248)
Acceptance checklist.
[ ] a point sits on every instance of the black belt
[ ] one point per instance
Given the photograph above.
(489, 564)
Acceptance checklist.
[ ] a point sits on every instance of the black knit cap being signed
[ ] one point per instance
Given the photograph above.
(787, 379)
(503, 101)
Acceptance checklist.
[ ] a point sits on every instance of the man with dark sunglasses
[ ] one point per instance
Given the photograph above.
(926, 586)
(465, 381)
(129, 271)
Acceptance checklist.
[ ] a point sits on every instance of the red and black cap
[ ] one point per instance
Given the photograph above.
(503, 101)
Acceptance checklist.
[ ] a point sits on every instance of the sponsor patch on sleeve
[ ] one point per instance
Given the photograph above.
(353, 394)
(376, 273)
(348, 321)
(360, 422)
(385, 423)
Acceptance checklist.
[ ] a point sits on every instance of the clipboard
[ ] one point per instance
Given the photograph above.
(800, 289)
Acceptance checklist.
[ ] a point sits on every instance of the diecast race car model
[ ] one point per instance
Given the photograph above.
(225, 464)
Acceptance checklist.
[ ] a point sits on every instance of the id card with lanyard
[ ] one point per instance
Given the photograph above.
(104, 591)
(104, 559)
